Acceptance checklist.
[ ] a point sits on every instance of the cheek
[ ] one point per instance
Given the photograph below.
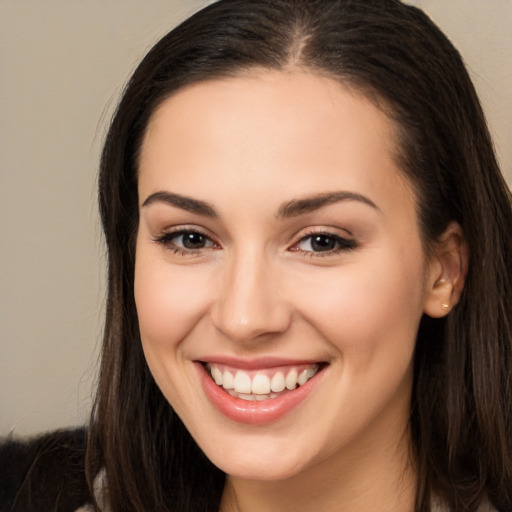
(169, 300)
(368, 309)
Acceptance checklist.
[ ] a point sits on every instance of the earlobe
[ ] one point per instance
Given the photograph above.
(447, 272)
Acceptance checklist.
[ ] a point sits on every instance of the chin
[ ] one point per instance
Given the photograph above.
(260, 458)
(257, 470)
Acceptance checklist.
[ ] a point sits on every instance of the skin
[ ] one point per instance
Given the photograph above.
(247, 146)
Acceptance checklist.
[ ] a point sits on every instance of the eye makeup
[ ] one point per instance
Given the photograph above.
(186, 241)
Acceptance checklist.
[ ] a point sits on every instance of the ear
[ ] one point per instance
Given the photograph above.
(447, 272)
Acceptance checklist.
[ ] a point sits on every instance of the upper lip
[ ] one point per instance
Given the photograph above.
(258, 362)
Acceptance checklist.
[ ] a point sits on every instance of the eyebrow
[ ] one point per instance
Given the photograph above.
(183, 202)
(292, 208)
(297, 207)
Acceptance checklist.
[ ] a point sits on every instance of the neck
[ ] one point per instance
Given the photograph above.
(364, 478)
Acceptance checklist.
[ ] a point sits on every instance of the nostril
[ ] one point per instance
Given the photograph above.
(243, 324)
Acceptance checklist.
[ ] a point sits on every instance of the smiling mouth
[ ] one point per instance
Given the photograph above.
(263, 384)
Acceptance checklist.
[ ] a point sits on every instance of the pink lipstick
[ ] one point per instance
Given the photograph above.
(259, 391)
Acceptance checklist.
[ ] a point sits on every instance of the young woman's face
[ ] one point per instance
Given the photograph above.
(279, 277)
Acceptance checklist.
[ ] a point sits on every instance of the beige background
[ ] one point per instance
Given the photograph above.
(62, 66)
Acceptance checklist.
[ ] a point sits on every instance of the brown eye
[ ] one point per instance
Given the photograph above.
(324, 243)
(186, 240)
(192, 240)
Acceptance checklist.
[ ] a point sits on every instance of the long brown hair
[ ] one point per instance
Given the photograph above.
(461, 407)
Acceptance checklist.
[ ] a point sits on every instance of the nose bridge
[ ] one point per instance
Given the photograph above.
(249, 302)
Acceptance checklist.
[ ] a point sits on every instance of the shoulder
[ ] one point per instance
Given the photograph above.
(44, 473)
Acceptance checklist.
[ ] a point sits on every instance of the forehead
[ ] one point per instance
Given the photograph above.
(270, 131)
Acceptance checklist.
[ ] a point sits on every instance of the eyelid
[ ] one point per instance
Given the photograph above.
(345, 243)
(335, 232)
(166, 235)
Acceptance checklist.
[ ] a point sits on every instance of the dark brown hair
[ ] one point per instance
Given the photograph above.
(461, 407)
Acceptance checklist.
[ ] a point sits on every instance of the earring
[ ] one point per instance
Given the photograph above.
(445, 307)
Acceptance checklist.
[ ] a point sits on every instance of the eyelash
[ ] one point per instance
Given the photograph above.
(165, 239)
(343, 244)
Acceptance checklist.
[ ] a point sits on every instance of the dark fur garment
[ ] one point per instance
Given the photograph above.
(44, 474)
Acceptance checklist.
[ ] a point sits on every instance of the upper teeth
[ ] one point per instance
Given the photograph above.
(261, 382)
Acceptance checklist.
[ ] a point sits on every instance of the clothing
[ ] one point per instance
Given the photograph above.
(438, 506)
(46, 474)
(99, 488)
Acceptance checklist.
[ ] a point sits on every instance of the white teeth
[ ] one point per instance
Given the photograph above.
(260, 384)
(302, 378)
(277, 383)
(250, 398)
(229, 380)
(291, 379)
(312, 371)
(242, 383)
(217, 376)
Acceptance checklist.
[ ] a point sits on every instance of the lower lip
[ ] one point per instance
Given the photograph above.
(254, 412)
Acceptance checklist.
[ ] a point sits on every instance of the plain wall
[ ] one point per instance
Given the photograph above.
(62, 67)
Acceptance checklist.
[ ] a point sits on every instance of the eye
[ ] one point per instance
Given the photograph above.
(191, 240)
(186, 241)
(327, 243)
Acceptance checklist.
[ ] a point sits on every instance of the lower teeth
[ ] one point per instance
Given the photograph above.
(253, 397)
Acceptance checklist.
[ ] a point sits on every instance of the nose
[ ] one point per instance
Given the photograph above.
(250, 302)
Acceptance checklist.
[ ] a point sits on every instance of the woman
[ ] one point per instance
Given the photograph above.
(309, 270)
